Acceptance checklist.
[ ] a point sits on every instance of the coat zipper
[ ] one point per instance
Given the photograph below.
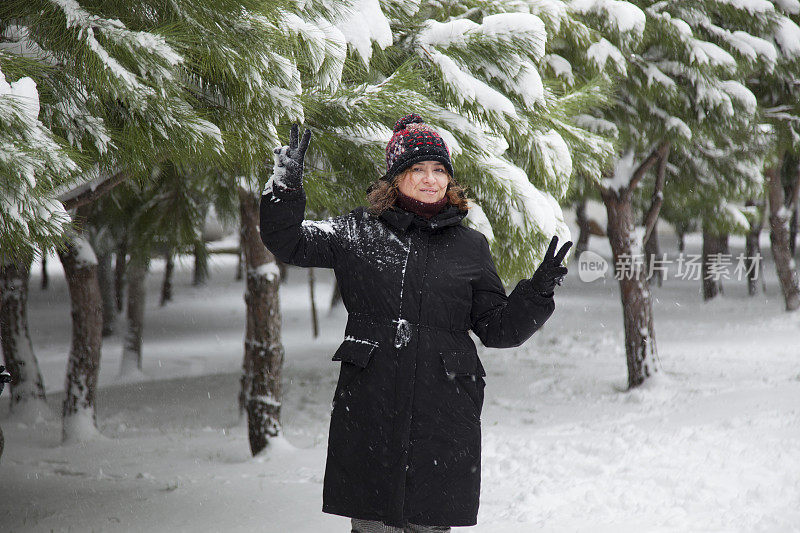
(403, 332)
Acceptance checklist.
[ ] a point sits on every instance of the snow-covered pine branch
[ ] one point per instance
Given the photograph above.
(32, 164)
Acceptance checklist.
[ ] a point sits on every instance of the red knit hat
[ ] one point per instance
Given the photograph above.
(414, 141)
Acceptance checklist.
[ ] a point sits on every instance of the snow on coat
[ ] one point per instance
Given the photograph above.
(405, 432)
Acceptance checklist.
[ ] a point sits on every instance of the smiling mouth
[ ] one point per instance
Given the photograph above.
(431, 191)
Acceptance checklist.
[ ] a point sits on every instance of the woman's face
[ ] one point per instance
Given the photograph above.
(425, 181)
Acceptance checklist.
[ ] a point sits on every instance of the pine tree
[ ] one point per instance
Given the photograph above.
(32, 165)
(710, 189)
(775, 85)
(677, 93)
(727, 168)
(245, 76)
(112, 91)
(724, 171)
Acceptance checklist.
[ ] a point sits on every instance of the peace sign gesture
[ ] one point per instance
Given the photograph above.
(550, 272)
(288, 170)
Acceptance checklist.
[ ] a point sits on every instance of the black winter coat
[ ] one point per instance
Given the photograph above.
(405, 433)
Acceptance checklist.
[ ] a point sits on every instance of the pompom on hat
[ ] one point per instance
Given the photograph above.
(414, 141)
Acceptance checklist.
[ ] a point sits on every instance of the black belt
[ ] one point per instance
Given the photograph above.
(401, 326)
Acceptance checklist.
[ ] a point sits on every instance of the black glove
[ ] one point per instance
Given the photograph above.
(287, 173)
(5, 377)
(550, 272)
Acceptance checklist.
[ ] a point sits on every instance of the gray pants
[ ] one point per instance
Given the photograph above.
(374, 526)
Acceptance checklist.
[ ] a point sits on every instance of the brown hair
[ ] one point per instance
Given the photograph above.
(382, 194)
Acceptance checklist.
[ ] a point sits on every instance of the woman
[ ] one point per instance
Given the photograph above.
(404, 442)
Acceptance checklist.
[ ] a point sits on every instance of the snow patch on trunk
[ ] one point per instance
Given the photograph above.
(80, 427)
(84, 254)
(129, 371)
(278, 447)
(270, 271)
(32, 411)
(266, 399)
(623, 171)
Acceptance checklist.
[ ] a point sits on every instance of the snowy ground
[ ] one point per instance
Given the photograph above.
(712, 444)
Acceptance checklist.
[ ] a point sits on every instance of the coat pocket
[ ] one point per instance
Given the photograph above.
(355, 355)
(461, 362)
(355, 351)
(466, 370)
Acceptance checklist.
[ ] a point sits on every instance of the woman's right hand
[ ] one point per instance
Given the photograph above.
(288, 170)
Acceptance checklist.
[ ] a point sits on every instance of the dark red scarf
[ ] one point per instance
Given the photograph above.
(423, 209)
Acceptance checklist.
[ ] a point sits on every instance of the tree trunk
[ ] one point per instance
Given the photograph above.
(45, 275)
(132, 348)
(652, 251)
(336, 297)
(120, 264)
(27, 386)
(5, 377)
(240, 266)
(793, 231)
(263, 352)
(682, 227)
(83, 365)
(583, 226)
(714, 246)
(283, 269)
(650, 221)
(200, 264)
(314, 321)
(637, 306)
(166, 286)
(753, 251)
(105, 279)
(637, 309)
(779, 240)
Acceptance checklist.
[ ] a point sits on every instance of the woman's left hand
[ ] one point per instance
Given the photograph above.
(550, 272)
